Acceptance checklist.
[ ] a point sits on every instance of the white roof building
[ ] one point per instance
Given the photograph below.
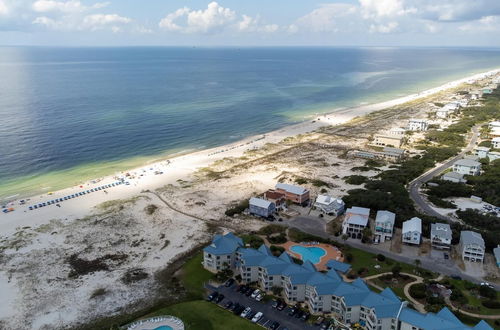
(441, 235)
(298, 190)
(467, 167)
(412, 231)
(356, 219)
(454, 177)
(329, 205)
(418, 124)
(495, 143)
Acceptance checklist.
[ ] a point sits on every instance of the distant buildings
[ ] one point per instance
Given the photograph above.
(494, 124)
(412, 231)
(388, 140)
(441, 236)
(278, 198)
(356, 219)
(448, 109)
(418, 125)
(295, 194)
(384, 226)
(330, 205)
(495, 143)
(261, 207)
(471, 246)
(397, 131)
(388, 153)
(467, 167)
(453, 177)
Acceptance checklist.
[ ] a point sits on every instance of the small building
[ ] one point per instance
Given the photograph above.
(356, 219)
(481, 152)
(293, 193)
(397, 131)
(493, 155)
(467, 167)
(412, 231)
(454, 177)
(330, 205)
(496, 253)
(471, 246)
(494, 132)
(261, 207)
(441, 236)
(418, 125)
(493, 124)
(443, 113)
(387, 140)
(393, 154)
(278, 198)
(384, 226)
(476, 95)
(495, 143)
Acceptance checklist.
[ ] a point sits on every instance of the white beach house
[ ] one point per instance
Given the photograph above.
(495, 143)
(453, 177)
(418, 125)
(471, 246)
(387, 140)
(467, 167)
(398, 131)
(481, 152)
(412, 231)
(356, 219)
(384, 226)
(441, 236)
(330, 205)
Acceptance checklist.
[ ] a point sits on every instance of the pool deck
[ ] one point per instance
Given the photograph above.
(332, 252)
(156, 322)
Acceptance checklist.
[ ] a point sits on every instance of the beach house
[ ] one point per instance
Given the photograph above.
(418, 125)
(220, 254)
(496, 254)
(494, 124)
(412, 231)
(471, 246)
(443, 113)
(467, 167)
(330, 205)
(384, 226)
(495, 143)
(261, 207)
(278, 198)
(481, 152)
(397, 131)
(327, 293)
(441, 236)
(356, 219)
(387, 140)
(295, 194)
(454, 177)
(493, 155)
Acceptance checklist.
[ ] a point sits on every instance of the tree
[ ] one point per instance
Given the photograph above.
(225, 273)
(417, 263)
(367, 233)
(396, 269)
(345, 237)
(276, 290)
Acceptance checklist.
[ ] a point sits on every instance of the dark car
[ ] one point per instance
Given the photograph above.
(249, 292)
(275, 325)
(292, 311)
(281, 306)
(235, 306)
(251, 315)
(305, 316)
(238, 310)
(298, 315)
(325, 324)
(240, 287)
(275, 304)
(212, 296)
(229, 283)
(228, 305)
(245, 289)
(219, 298)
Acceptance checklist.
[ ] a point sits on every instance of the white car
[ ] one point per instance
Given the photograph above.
(246, 312)
(257, 317)
(255, 293)
(259, 297)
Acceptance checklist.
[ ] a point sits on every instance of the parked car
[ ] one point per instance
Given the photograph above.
(251, 315)
(229, 283)
(240, 287)
(238, 309)
(249, 292)
(245, 312)
(325, 325)
(255, 293)
(259, 297)
(212, 296)
(257, 317)
(292, 311)
(305, 316)
(228, 305)
(275, 304)
(275, 325)
(281, 306)
(298, 315)
(446, 255)
(219, 298)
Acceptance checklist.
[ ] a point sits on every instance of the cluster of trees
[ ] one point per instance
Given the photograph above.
(237, 209)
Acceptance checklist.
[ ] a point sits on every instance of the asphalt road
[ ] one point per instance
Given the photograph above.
(414, 186)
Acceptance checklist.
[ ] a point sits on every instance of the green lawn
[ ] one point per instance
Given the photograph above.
(473, 300)
(193, 275)
(200, 314)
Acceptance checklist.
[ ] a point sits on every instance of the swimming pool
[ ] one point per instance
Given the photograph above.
(311, 253)
(164, 327)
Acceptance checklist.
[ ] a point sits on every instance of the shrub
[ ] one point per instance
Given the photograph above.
(396, 269)
(487, 292)
(239, 208)
(98, 292)
(301, 180)
(271, 229)
(418, 291)
(355, 179)
(493, 304)
(254, 241)
(380, 257)
(348, 257)
(277, 239)
(442, 203)
(319, 183)
(150, 209)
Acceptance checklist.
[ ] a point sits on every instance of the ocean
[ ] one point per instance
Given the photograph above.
(71, 114)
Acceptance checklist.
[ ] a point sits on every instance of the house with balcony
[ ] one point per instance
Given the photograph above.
(412, 231)
(278, 198)
(387, 140)
(295, 194)
(417, 125)
(261, 207)
(221, 253)
(327, 293)
(481, 152)
(356, 219)
(495, 143)
(471, 246)
(441, 236)
(467, 167)
(384, 226)
(330, 205)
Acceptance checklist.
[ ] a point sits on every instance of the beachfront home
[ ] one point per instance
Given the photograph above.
(496, 254)
(397, 131)
(356, 219)
(441, 236)
(327, 293)
(261, 207)
(412, 231)
(418, 125)
(494, 132)
(220, 254)
(471, 246)
(453, 177)
(384, 226)
(295, 194)
(389, 154)
(330, 205)
(493, 124)
(495, 143)
(278, 198)
(467, 167)
(388, 140)
(443, 113)
(481, 152)
(493, 155)
(476, 95)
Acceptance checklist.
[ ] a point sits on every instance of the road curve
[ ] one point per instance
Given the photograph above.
(414, 186)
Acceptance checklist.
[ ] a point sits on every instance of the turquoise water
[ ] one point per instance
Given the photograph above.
(164, 327)
(313, 254)
(72, 114)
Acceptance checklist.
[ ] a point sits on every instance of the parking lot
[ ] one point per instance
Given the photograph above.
(270, 314)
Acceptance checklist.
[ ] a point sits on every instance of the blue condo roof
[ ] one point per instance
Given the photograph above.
(226, 244)
(337, 265)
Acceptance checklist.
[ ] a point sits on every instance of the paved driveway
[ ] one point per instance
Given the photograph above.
(270, 314)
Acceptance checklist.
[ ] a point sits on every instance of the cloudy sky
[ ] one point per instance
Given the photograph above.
(252, 22)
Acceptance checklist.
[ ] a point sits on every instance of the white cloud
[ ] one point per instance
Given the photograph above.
(4, 10)
(383, 28)
(72, 6)
(101, 21)
(485, 24)
(168, 23)
(250, 24)
(328, 18)
(384, 8)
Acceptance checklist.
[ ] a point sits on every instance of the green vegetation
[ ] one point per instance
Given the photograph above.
(449, 189)
(473, 298)
(356, 179)
(486, 185)
(237, 209)
(301, 180)
(253, 240)
(193, 276)
(442, 203)
(319, 183)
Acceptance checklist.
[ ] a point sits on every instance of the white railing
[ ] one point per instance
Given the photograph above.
(172, 321)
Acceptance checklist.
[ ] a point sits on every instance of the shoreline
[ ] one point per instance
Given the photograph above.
(181, 166)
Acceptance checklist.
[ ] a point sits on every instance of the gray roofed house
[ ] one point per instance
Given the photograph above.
(261, 207)
(412, 231)
(441, 235)
(356, 219)
(453, 177)
(467, 167)
(471, 246)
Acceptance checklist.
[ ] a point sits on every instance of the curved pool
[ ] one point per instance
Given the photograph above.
(163, 327)
(311, 253)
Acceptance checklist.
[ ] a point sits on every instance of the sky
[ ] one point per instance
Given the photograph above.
(434, 23)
